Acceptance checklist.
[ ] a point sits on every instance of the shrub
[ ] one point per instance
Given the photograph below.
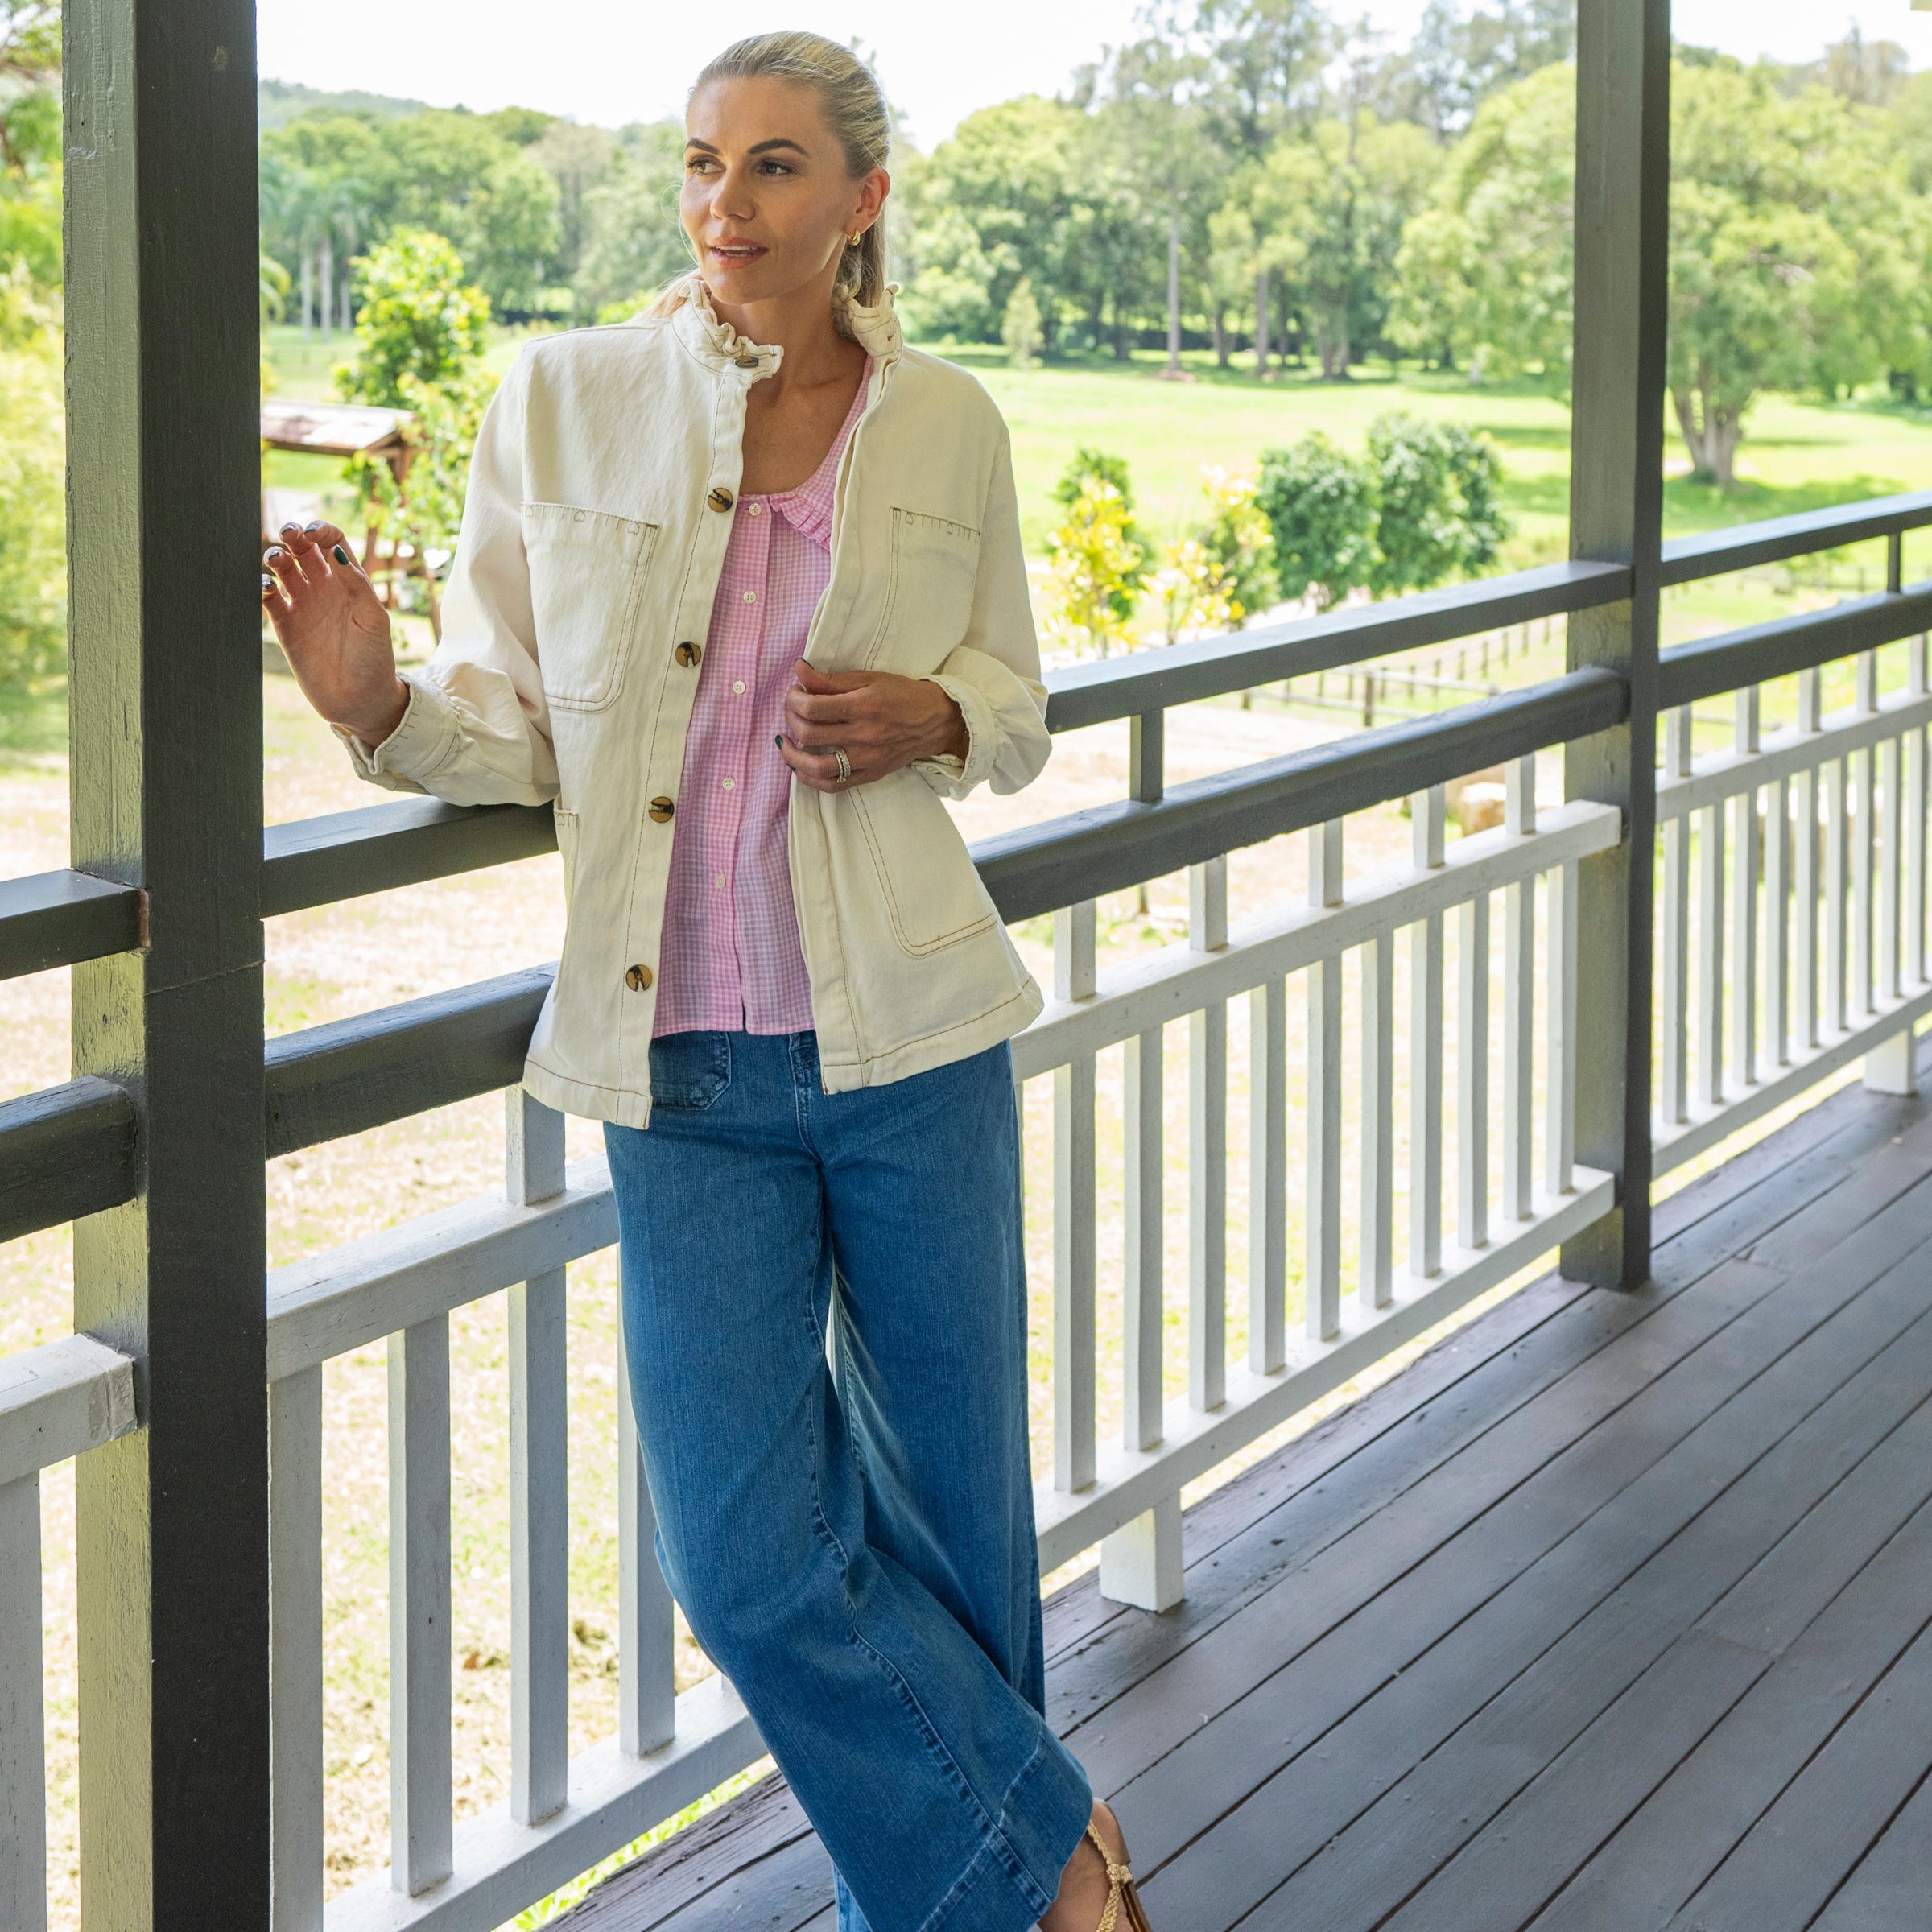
(1222, 571)
(1320, 503)
(1438, 514)
(1020, 327)
(33, 530)
(417, 317)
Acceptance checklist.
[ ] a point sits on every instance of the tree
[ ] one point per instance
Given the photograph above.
(417, 317)
(633, 244)
(1020, 327)
(1438, 514)
(1482, 275)
(1797, 252)
(1320, 504)
(1335, 205)
(456, 175)
(578, 159)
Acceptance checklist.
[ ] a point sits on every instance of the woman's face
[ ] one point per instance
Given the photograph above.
(767, 200)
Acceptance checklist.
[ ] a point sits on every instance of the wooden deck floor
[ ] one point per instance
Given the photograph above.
(1611, 1613)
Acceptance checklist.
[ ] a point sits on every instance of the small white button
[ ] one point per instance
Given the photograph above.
(737, 684)
(730, 784)
(751, 596)
(719, 881)
(758, 509)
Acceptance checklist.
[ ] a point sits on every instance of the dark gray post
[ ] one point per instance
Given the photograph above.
(163, 483)
(1623, 162)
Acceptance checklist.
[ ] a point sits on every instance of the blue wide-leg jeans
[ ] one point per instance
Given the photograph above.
(824, 1307)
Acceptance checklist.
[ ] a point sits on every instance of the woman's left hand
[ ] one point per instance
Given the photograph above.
(881, 722)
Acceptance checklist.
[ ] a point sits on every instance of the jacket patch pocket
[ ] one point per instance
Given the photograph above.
(689, 1071)
(935, 564)
(586, 572)
(931, 889)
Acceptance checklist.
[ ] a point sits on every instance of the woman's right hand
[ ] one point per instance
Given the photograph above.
(334, 631)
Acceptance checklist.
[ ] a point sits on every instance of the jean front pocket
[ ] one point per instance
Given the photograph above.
(689, 1071)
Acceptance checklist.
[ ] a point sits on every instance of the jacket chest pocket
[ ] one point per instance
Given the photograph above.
(587, 573)
(935, 567)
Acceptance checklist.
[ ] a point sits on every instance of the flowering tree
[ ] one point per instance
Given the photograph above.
(1097, 562)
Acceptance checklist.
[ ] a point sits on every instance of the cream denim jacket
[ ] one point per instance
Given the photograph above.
(575, 617)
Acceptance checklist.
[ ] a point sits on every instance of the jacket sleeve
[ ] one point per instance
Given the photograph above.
(994, 674)
(477, 731)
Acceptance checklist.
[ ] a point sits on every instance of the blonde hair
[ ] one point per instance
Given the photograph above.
(855, 111)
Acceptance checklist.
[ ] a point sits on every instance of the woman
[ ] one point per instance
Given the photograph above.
(740, 588)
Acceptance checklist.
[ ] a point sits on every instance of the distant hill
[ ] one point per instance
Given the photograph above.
(277, 101)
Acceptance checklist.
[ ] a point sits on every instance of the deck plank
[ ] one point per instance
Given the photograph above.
(1592, 1609)
(1800, 1851)
(1889, 1891)
(1684, 1830)
(1501, 1877)
(1336, 1836)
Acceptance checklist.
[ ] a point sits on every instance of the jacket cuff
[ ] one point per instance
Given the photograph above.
(416, 750)
(954, 778)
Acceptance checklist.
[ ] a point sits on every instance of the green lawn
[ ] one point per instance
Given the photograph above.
(1797, 455)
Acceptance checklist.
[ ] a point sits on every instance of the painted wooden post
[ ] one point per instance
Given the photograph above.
(1622, 94)
(165, 696)
(22, 1721)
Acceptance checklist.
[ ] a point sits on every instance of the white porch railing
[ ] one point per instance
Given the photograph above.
(1803, 852)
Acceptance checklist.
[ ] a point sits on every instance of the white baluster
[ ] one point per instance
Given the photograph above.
(1519, 1005)
(539, 1486)
(1832, 777)
(647, 1632)
(1267, 1176)
(1426, 1052)
(1559, 1089)
(1073, 1215)
(1743, 901)
(1377, 1285)
(1321, 1280)
(1141, 1283)
(1807, 987)
(418, 1606)
(1890, 862)
(1207, 1153)
(1675, 1096)
(1710, 967)
(1777, 922)
(296, 1783)
(1472, 1071)
(1914, 889)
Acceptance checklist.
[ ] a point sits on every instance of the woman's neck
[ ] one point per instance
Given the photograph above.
(801, 324)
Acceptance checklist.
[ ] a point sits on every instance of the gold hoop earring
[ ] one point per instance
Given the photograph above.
(857, 239)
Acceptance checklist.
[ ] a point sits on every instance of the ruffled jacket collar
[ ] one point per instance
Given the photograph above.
(876, 329)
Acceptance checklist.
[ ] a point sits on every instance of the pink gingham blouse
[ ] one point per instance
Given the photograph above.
(730, 958)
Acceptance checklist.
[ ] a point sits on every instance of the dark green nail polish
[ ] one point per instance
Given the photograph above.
(342, 554)
(779, 740)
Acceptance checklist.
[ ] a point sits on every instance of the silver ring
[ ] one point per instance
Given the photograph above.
(844, 764)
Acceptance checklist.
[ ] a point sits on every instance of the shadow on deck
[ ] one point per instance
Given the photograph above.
(1607, 1614)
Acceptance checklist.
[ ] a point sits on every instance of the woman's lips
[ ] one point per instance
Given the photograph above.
(736, 254)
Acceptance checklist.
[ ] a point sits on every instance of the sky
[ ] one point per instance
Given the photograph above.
(610, 61)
